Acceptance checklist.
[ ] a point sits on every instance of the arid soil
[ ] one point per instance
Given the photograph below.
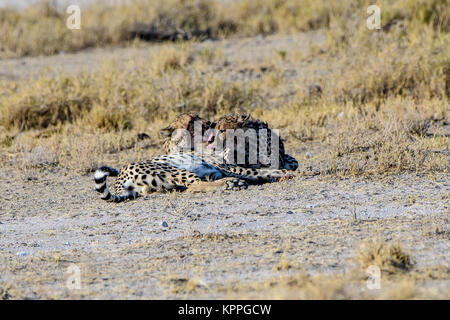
(222, 244)
(218, 240)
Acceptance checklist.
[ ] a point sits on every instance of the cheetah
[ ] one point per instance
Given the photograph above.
(191, 171)
(179, 135)
(246, 122)
(214, 132)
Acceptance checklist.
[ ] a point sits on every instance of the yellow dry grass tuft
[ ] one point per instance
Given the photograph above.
(388, 257)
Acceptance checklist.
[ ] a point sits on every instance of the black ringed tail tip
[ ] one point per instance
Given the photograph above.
(100, 177)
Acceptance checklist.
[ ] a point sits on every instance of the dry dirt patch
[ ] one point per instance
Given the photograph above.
(221, 244)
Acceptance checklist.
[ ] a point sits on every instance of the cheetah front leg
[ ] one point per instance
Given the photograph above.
(228, 183)
(272, 175)
(260, 175)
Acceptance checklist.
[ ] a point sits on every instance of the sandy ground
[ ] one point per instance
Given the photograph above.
(212, 245)
(123, 250)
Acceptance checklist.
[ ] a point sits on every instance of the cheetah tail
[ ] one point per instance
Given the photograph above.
(100, 182)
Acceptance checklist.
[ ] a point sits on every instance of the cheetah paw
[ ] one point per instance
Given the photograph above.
(288, 176)
(236, 184)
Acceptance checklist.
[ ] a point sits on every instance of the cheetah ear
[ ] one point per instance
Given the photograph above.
(166, 132)
(245, 117)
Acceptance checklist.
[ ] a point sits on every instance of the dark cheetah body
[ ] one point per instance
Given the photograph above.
(245, 122)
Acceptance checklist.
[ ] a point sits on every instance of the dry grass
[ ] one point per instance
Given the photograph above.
(379, 107)
(399, 279)
(41, 29)
(388, 257)
(181, 285)
(329, 287)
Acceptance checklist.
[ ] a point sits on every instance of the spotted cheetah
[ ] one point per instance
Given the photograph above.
(192, 171)
(246, 122)
(179, 135)
(179, 140)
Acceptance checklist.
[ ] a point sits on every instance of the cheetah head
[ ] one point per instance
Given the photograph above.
(179, 135)
(246, 148)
